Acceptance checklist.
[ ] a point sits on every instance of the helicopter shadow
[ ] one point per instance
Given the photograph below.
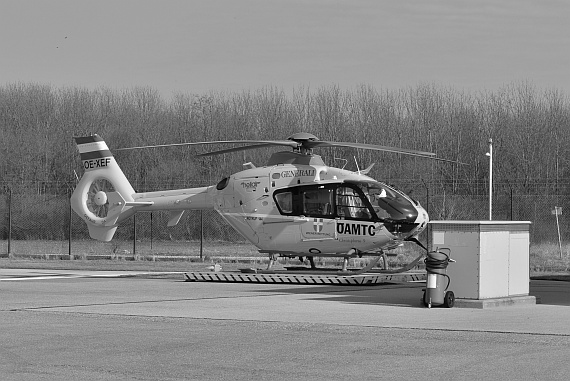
(386, 294)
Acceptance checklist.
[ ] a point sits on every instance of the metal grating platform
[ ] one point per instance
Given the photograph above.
(300, 278)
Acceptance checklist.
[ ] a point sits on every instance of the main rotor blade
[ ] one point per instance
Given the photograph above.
(444, 160)
(427, 155)
(257, 144)
(370, 147)
(234, 149)
(304, 144)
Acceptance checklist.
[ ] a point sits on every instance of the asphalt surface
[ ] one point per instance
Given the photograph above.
(96, 326)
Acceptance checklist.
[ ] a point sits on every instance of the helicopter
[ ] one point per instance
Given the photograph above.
(293, 206)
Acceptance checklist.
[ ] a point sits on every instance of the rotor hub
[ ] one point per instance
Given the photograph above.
(100, 198)
(304, 141)
(302, 137)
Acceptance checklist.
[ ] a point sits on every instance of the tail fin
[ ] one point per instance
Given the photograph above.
(102, 195)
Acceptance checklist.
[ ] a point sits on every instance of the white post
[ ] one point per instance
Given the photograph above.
(558, 210)
(490, 154)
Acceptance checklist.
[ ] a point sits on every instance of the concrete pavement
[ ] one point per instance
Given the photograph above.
(353, 323)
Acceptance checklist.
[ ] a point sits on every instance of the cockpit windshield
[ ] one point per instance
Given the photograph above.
(388, 203)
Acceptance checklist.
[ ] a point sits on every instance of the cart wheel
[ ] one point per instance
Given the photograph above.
(449, 299)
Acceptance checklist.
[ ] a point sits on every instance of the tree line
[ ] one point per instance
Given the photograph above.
(529, 128)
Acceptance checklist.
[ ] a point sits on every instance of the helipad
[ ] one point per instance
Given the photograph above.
(303, 277)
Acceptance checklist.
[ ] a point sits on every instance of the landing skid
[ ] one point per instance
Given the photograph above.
(305, 278)
(273, 258)
(345, 270)
(363, 270)
(314, 275)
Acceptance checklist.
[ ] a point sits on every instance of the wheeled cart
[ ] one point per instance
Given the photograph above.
(436, 293)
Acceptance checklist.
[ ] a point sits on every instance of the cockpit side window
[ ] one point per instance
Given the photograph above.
(349, 204)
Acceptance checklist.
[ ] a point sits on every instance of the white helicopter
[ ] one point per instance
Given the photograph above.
(294, 206)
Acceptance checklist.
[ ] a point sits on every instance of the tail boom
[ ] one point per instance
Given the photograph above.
(177, 199)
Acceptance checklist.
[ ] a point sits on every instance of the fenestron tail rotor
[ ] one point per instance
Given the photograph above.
(97, 197)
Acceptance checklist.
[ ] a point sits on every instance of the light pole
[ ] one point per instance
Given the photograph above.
(490, 154)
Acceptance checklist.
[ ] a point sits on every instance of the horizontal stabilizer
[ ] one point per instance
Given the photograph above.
(175, 216)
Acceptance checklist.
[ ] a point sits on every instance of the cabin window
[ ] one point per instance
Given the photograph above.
(365, 201)
(284, 202)
(324, 201)
(223, 183)
(317, 202)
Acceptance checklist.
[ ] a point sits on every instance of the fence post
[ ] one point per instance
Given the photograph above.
(201, 233)
(428, 228)
(9, 221)
(69, 229)
(134, 235)
(511, 204)
(151, 231)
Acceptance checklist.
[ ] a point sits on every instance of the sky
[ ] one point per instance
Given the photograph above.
(198, 46)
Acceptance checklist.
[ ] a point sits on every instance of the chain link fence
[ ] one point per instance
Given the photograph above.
(43, 224)
(538, 209)
(36, 225)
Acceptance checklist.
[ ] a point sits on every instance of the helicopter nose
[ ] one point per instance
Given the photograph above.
(422, 219)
